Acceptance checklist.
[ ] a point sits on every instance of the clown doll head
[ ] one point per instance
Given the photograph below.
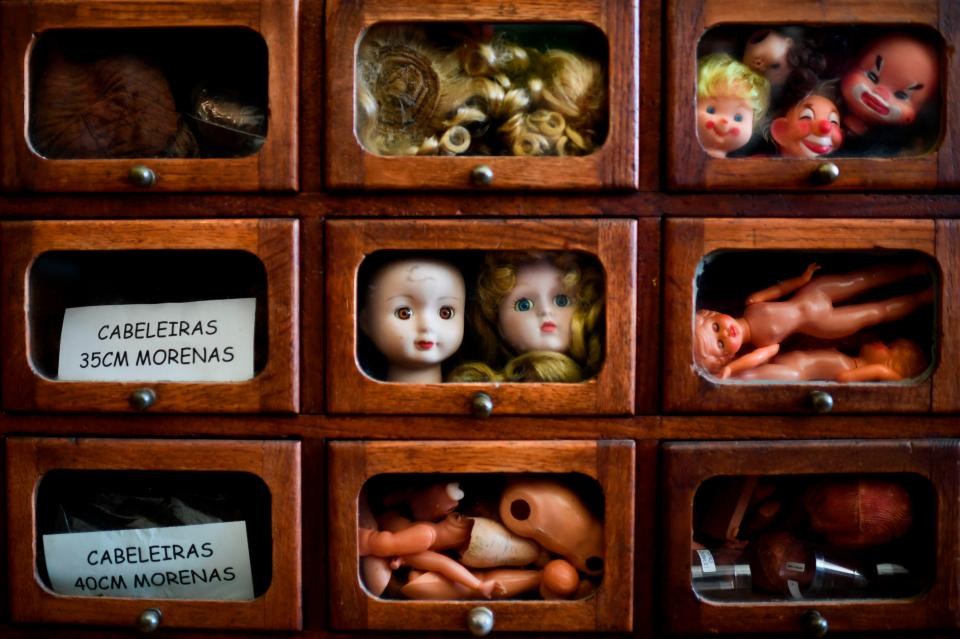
(731, 100)
(889, 82)
(808, 129)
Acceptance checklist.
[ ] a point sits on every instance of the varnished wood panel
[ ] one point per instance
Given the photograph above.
(613, 242)
(273, 167)
(687, 465)
(274, 242)
(614, 165)
(687, 241)
(611, 463)
(276, 463)
(689, 167)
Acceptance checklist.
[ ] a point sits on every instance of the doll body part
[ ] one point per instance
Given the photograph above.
(809, 129)
(876, 362)
(766, 53)
(811, 311)
(889, 82)
(732, 99)
(536, 314)
(414, 315)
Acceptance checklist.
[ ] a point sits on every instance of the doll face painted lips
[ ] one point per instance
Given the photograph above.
(548, 327)
(818, 145)
(872, 101)
(424, 345)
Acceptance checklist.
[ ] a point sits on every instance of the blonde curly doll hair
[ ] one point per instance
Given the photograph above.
(499, 361)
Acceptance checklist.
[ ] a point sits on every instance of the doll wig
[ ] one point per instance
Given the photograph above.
(719, 75)
(500, 362)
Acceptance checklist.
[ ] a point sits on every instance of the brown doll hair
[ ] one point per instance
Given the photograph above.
(499, 361)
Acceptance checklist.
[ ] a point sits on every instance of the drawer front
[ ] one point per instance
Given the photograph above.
(126, 477)
(711, 262)
(215, 123)
(774, 524)
(580, 248)
(384, 162)
(917, 152)
(606, 465)
(52, 266)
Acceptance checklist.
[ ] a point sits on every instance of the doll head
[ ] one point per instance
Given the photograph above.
(808, 129)
(890, 81)
(716, 340)
(537, 317)
(902, 356)
(414, 315)
(766, 53)
(731, 99)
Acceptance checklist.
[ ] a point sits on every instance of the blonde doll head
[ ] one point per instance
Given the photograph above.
(536, 317)
(732, 100)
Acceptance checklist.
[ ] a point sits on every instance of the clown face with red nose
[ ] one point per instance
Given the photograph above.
(889, 83)
(810, 128)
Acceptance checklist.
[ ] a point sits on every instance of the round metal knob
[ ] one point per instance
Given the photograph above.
(821, 402)
(481, 405)
(815, 624)
(825, 173)
(482, 175)
(480, 621)
(149, 620)
(142, 176)
(143, 398)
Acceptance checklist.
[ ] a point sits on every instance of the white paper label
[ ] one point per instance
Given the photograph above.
(209, 341)
(205, 561)
(706, 561)
(795, 566)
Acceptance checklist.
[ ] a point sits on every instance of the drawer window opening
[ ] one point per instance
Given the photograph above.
(803, 91)
(154, 534)
(809, 537)
(482, 89)
(481, 536)
(148, 93)
(154, 315)
(800, 316)
(474, 316)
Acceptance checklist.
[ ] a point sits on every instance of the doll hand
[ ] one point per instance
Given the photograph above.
(726, 372)
(808, 274)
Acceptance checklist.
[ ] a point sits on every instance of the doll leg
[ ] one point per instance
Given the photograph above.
(842, 287)
(847, 320)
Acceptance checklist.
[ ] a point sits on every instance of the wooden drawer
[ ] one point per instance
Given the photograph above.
(51, 266)
(609, 463)
(273, 465)
(783, 248)
(899, 166)
(350, 165)
(609, 244)
(823, 475)
(213, 44)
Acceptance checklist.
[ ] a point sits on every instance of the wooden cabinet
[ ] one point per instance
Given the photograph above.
(690, 167)
(762, 245)
(612, 243)
(51, 266)
(276, 465)
(608, 463)
(613, 165)
(199, 44)
(930, 464)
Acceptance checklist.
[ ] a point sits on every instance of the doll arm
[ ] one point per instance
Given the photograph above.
(870, 373)
(416, 538)
(783, 288)
(452, 570)
(751, 360)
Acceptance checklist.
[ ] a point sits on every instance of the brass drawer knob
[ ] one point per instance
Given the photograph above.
(482, 175)
(481, 405)
(142, 176)
(149, 620)
(143, 398)
(815, 624)
(480, 621)
(821, 402)
(825, 173)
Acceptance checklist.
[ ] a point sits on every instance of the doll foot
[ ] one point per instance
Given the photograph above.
(490, 588)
